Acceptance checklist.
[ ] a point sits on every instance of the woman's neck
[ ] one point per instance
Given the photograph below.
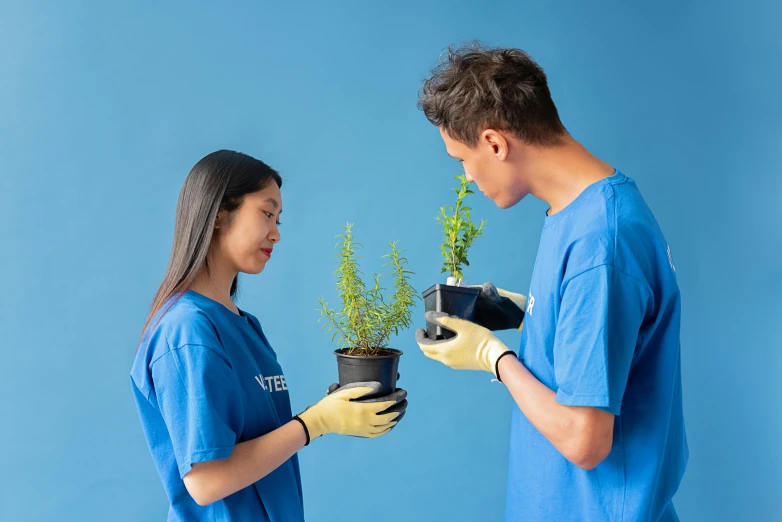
(215, 284)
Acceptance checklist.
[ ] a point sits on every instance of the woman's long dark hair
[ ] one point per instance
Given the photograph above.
(217, 183)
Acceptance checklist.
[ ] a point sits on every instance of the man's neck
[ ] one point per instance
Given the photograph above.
(558, 175)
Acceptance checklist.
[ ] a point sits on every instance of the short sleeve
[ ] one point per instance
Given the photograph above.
(597, 331)
(200, 399)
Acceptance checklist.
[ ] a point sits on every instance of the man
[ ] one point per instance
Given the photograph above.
(597, 431)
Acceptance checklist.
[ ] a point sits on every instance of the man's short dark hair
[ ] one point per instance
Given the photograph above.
(478, 88)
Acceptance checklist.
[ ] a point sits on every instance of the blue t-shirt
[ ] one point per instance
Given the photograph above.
(602, 330)
(205, 379)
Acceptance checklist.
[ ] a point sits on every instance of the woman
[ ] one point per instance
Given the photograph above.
(210, 393)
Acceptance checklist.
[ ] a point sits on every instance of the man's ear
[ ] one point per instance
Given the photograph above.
(496, 141)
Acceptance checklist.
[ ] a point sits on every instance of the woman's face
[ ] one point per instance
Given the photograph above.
(246, 242)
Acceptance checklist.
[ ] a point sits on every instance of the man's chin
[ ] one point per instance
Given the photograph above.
(506, 201)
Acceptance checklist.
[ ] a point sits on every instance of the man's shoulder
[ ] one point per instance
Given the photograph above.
(607, 231)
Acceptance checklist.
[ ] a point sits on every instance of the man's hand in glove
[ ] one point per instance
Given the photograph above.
(473, 348)
(498, 309)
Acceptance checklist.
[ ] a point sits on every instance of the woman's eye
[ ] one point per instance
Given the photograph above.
(270, 215)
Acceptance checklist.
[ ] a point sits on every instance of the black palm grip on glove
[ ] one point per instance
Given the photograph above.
(495, 312)
(399, 396)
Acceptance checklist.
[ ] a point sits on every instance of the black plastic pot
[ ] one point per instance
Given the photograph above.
(453, 300)
(363, 368)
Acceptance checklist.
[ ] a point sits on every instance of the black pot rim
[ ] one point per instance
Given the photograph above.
(438, 287)
(396, 354)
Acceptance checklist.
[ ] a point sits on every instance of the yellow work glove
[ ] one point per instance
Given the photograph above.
(473, 348)
(519, 300)
(499, 309)
(338, 413)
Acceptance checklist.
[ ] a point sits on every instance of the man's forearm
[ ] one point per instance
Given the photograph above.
(582, 435)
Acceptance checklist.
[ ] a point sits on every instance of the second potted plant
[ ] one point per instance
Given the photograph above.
(364, 324)
(454, 297)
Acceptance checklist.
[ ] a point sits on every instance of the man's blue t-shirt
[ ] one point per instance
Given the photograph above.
(602, 330)
(205, 379)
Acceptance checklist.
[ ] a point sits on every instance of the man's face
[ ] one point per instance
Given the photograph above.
(490, 164)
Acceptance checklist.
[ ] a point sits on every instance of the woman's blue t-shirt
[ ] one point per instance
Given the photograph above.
(205, 379)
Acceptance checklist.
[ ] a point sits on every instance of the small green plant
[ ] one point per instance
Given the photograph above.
(460, 232)
(366, 321)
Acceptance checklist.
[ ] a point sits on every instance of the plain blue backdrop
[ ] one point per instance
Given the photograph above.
(105, 106)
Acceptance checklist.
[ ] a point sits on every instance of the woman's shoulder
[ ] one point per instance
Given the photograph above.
(182, 321)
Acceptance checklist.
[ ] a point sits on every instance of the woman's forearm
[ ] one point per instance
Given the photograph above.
(249, 462)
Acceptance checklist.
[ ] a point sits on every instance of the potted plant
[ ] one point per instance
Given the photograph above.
(364, 324)
(454, 297)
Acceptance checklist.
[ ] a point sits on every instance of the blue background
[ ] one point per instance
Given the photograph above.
(104, 109)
